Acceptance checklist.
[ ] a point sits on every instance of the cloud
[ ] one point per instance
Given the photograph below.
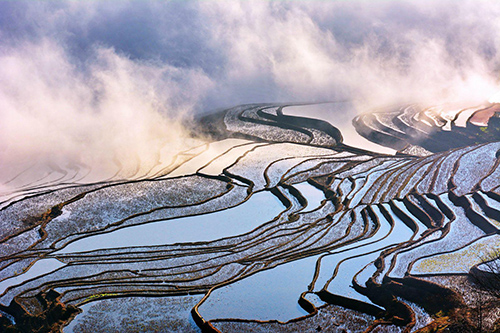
(377, 53)
(113, 114)
(93, 83)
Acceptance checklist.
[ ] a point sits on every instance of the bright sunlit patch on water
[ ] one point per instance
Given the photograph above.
(339, 115)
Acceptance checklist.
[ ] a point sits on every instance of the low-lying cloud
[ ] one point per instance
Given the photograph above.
(114, 114)
(101, 83)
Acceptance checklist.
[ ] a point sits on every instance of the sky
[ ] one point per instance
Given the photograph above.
(95, 82)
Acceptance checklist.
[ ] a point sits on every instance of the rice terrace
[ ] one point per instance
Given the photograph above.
(331, 213)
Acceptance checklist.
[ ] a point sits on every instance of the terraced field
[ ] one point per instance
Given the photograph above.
(270, 224)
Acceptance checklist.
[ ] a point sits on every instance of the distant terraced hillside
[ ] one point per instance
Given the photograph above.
(435, 129)
(272, 224)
